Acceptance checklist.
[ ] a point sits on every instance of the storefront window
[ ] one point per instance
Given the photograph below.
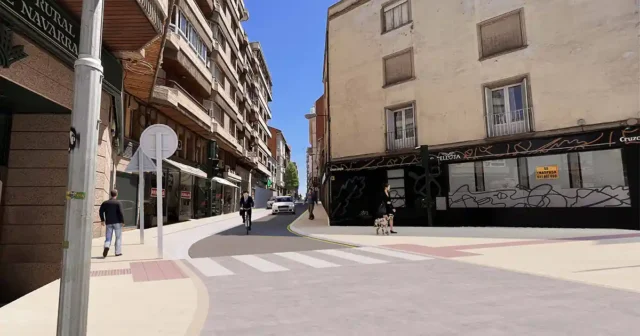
(584, 179)
(186, 197)
(550, 170)
(500, 174)
(602, 168)
(395, 178)
(462, 177)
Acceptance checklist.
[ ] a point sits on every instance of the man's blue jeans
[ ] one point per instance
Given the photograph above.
(107, 241)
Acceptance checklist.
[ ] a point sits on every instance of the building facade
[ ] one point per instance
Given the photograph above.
(202, 77)
(520, 117)
(282, 156)
(41, 42)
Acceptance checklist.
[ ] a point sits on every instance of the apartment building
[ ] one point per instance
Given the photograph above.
(522, 116)
(281, 152)
(40, 45)
(201, 77)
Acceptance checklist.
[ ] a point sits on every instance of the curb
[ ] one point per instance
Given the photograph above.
(291, 228)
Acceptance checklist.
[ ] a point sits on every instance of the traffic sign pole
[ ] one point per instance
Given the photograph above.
(159, 193)
(141, 194)
(159, 142)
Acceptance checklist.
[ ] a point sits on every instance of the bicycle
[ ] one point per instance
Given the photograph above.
(247, 219)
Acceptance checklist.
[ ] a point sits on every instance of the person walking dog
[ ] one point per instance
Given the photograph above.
(111, 214)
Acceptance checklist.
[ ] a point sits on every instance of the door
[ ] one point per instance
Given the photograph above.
(127, 185)
(403, 133)
(508, 110)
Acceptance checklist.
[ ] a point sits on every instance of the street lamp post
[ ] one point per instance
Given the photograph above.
(76, 259)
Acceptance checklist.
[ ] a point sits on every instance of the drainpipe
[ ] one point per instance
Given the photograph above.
(328, 93)
(167, 22)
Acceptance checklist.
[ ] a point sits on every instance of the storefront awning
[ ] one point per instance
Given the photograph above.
(223, 181)
(187, 169)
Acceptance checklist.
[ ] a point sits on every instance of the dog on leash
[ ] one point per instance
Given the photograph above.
(382, 224)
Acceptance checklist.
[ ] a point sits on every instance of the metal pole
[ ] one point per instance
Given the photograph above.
(159, 192)
(141, 194)
(76, 259)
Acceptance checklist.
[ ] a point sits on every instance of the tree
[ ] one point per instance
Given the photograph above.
(291, 177)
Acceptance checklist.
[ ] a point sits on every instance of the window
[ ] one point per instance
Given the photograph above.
(602, 168)
(502, 34)
(398, 67)
(462, 177)
(508, 109)
(189, 32)
(500, 174)
(401, 130)
(395, 15)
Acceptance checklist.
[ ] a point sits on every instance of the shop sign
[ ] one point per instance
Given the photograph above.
(154, 192)
(185, 194)
(630, 140)
(46, 21)
(547, 172)
(449, 156)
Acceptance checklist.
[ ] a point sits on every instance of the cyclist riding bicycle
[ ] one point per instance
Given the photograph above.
(246, 203)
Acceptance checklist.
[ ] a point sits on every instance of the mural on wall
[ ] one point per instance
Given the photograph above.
(379, 162)
(542, 196)
(350, 191)
(575, 142)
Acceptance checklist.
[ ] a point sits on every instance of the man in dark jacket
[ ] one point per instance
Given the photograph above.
(246, 203)
(111, 213)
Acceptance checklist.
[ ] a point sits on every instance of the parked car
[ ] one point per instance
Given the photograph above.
(283, 204)
(270, 202)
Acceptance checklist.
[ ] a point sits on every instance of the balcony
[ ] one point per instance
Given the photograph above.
(263, 169)
(182, 61)
(128, 25)
(249, 157)
(509, 122)
(207, 6)
(403, 139)
(222, 98)
(179, 105)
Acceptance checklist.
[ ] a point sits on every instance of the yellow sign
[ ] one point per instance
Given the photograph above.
(547, 173)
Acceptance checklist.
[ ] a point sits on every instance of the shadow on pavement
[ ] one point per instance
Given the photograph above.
(268, 235)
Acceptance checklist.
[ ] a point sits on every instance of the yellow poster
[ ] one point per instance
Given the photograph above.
(547, 172)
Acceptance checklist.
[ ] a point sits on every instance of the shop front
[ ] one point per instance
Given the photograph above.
(584, 180)
(180, 185)
(227, 195)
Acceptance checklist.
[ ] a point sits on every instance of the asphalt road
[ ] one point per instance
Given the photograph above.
(273, 282)
(431, 297)
(268, 235)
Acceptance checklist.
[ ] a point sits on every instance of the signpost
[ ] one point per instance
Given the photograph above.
(159, 142)
(140, 163)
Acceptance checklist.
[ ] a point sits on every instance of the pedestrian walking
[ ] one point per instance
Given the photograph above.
(390, 211)
(311, 203)
(111, 216)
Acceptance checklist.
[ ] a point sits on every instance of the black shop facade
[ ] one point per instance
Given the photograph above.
(582, 180)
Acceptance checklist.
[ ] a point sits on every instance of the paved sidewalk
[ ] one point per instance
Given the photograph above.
(135, 294)
(605, 257)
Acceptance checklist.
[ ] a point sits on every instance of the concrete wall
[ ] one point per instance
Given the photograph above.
(581, 59)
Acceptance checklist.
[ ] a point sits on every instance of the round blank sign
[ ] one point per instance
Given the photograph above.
(169, 141)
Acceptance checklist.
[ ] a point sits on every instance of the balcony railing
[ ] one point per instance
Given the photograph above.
(400, 139)
(509, 122)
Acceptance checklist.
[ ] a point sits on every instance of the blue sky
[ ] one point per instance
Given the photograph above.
(291, 33)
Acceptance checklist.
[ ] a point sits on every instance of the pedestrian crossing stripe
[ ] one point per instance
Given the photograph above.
(212, 267)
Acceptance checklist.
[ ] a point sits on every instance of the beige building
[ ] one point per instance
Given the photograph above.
(488, 86)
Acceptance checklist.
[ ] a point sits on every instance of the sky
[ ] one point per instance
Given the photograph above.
(291, 34)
